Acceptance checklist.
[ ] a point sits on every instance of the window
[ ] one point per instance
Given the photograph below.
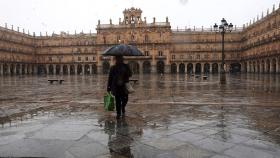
(50, 58)
(160, 53)
(146, 53)
(79, 58)
(93, 58)
(86, 58)
(104, 40)
(126, 20)
(190, 57)
(132, 19)
(198, 56)
(173, 57)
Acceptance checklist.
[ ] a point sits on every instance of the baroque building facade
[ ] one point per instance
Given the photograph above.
(253, 48)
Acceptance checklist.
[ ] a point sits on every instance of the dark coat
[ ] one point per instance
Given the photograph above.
(119, 75)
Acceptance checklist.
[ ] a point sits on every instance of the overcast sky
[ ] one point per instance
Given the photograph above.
(70, 15)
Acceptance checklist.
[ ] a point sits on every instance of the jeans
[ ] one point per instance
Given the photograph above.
(121, 101)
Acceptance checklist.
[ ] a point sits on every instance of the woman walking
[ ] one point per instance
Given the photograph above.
(118, 77)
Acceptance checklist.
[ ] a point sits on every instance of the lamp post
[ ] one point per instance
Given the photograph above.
(223, 28)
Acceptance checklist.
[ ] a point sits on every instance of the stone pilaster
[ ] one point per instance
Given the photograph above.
(193, 70)
(83, 69)
(61, 70)
(75, 69)
(35, 70)
(202, 68)
(90, 69)
(277, 66)
(68, 70)
(54, 69)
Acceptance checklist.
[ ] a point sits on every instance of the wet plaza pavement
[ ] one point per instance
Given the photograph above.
(170, 116)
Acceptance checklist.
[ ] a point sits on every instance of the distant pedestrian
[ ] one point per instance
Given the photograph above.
(118, 77)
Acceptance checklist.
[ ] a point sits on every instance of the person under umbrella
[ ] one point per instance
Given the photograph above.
(119, 75)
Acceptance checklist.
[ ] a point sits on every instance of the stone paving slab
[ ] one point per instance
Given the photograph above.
(172, 118)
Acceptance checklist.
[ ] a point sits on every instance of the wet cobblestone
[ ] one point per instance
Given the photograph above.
(168, 116)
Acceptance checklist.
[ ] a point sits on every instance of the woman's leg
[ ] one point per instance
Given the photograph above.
(124, 102)
(118, 105)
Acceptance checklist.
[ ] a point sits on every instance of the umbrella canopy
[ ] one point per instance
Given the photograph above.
(122, 50)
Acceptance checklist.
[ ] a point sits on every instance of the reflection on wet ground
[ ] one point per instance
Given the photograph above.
(168, 116)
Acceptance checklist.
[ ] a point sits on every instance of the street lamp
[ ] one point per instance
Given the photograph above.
(223, 28)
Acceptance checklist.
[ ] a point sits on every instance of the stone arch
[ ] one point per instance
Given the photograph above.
(263, 67)
(173, 68)
(23, 69)
(106, 67)
(87, 69)
(51, 70)
(245, 66)
(235, 68)
(160, 67)
(254, 66)
(5, 69)
(65, 70)
(146, 67)
(267, 66)
(72, 69)
(190, 68)
(94, 69)
(17, 69)
(215, 68)
(33, 69)
(206, 68)
(197, 68)
(273, 65)
(182, 68)
(134, 67)
(250, 67)
(57, 69)
(41, 69)
(79, 69)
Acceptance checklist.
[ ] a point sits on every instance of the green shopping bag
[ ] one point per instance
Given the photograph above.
(109, 102)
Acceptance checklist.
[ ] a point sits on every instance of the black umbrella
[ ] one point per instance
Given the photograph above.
(122, 50)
